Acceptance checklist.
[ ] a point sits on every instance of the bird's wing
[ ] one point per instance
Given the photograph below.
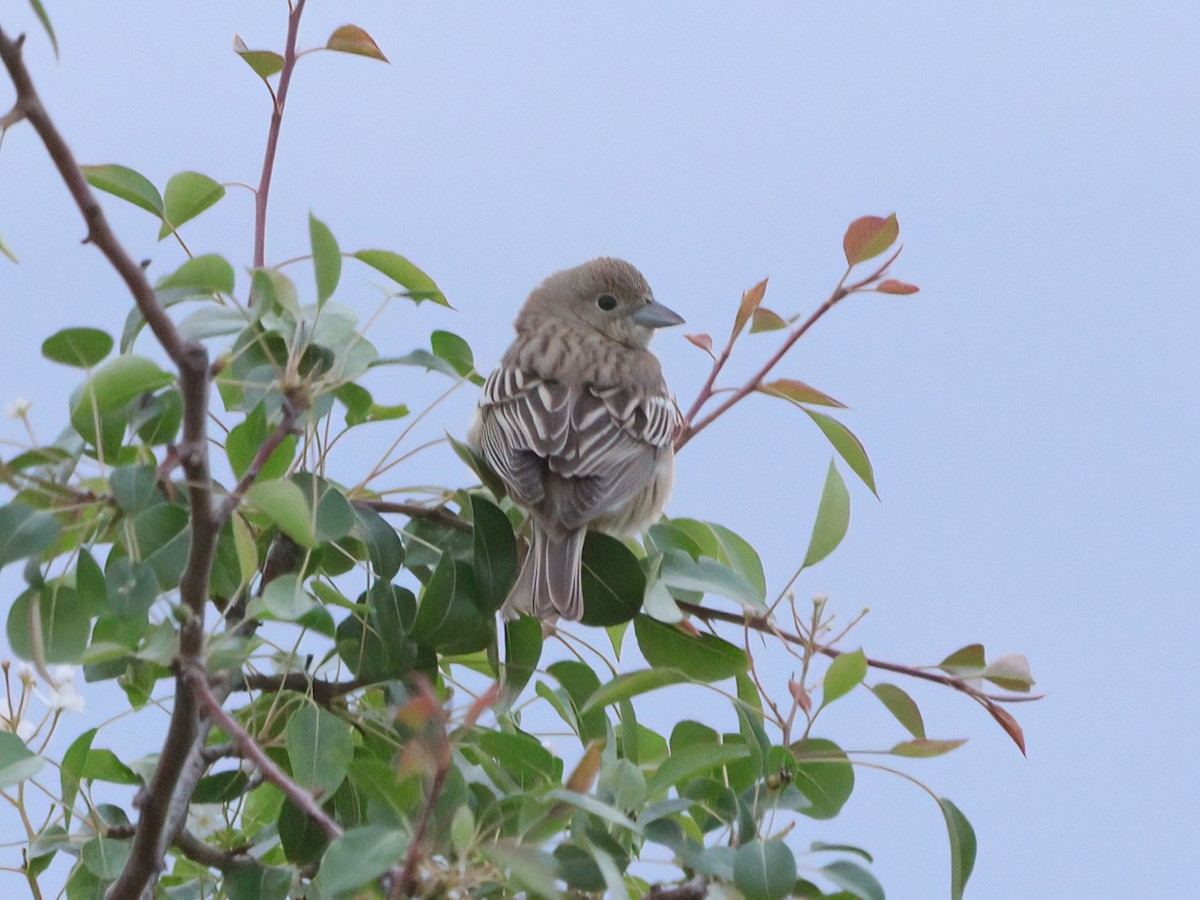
(602, 442)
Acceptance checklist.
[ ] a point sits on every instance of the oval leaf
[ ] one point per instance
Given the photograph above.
(623, 687)
(923, 748)
(187, 195)
(284, 504)
(845, 673)
(868, 237)
(704, 657)
(319, 747)
(764, 870)
(127, 184)
(24, 532)
(766, 320)
(798, 392)
(962, 847)
(17, 762)
(892, 286)
(902, 706)
(78, 347)
(358, 856)
(209, 273)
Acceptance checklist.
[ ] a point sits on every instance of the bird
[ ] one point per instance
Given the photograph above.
(579, 425)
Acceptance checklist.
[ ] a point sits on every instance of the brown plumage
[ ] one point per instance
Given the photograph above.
(578, 423)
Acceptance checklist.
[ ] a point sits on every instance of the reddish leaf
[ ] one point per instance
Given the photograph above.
(1009, 724)
(800, 695)
(798, 392)
(892, 286)
(352, 39)
(766, 320)
(584, 776)
(703, 341)
(750, 301)
(868, 237)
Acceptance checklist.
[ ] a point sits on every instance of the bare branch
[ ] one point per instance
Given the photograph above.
(198, 687)
(322, 692)
(415, 511)
(264, 182)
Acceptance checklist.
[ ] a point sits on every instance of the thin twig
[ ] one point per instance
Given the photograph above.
(198, 682)
(322, 692)
(268, 167)
(286, 427)
(415, 511)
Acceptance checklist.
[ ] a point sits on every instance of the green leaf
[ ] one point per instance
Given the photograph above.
(380, 648)
(623, 687)
(17, 762)
(71, 771)
(530, 868)
(78, 347)
(968, 660)
(319, 747)
(265, 63)
(105, 857)
(24, 532)
(187, 195)
(449, 616)
(156, 417)
(704, 657)
(272, 291)
(1011, 672)
(798, 392)
(454, 351)
(40, 11)
(301, 839)
(869, 236)
(824, 775)
(902, 706)
(332, 512)
(962, 847)
(833, 518)
(848, 446)
(103, 765)
(687, 761)
(327, 258)
(114, 385)
(358, 856)
(924, 748)
(352, 39)
(613, 581)
(764, 319)
(55, 614)
(707, 575)
(7, 251)
(384, 547)
(495, 552)
(416, 283)
(854, 879)
(764, 870)
(127, 184)
(244, 440)
(580, 682)
(207, 274)
(522, 652)
(594, 807)
(255, 882)
(845, 673)
(286, 599)
(284, 504)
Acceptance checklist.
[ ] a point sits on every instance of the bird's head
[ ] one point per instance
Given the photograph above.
(608, 295)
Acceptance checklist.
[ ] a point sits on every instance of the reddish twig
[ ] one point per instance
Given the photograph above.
(209, 704)
(274, 439)
(990, 702)
(842, 291)
(264, 182)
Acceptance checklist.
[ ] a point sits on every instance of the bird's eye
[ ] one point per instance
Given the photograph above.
(606, 302)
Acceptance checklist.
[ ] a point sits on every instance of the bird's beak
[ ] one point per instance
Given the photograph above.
(655, 315)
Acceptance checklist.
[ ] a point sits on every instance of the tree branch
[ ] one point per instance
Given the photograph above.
(415, 511)
(264, 182)
(198, 685)
(285, 427)
(322, 692)
(191, 359)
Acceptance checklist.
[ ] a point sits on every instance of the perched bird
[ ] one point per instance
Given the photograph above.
(579, 425)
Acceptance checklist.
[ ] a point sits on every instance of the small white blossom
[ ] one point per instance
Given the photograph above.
(63, 695)
(19, 408)
(205, 819)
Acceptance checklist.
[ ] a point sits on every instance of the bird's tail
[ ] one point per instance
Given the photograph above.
(549, 586)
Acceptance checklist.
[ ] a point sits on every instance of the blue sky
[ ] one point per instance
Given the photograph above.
(1031, 414)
